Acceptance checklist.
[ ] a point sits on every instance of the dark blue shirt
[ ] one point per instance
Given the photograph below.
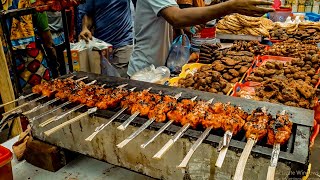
(112, 21)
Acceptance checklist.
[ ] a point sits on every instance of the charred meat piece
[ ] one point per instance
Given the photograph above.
(279, 130)
(180, 110)
(256, 126)
(159, 112)
(196, 115)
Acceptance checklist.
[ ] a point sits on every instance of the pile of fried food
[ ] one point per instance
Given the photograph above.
(252, 46)
(164, 107)
(292, 48)
(241, 24)
(304, 31)
(206, 79)
(296, 93)
(291, 83)
(297, 69)
(208, 53)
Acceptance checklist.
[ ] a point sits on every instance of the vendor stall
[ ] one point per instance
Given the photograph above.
(249, 110)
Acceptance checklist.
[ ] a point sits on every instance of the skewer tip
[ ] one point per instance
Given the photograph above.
(121, 128)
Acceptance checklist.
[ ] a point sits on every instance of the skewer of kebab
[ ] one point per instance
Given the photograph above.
(180, 110)
(279, 132)
(115, 116)
(91, 99)
(158, 113)
(256, 128)
(38, 89)
(72, 97)
(59, 86)
(213, 120)
(234, 120)
(193, 119)
(90, 96)
(26, 96)
(142, 104)
(63, 94)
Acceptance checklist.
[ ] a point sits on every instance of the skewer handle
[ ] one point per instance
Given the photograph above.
(194, 147)
(40, 106)
(169, 144)
(136, 133)
(12, 111)
(105, 125)
(221, 157)
(57, 128)
(273, 161)
(50, 111)
(224, 148)
(164, 127)
(18, 99)
(243, 160)
(271, 173)
(45, 123)
(124, 125)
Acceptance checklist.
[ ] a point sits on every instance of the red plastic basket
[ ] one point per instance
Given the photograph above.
(5, 164)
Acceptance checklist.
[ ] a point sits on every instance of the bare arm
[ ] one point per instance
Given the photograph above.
(86, 26)
(86, 22)
(200, 15)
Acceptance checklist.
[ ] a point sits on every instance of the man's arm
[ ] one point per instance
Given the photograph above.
(200, 15)
(86, 26)
(87, 22)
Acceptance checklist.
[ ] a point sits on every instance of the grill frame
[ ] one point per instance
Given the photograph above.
(303, 118)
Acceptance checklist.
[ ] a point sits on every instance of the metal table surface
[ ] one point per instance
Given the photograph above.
(82, 168)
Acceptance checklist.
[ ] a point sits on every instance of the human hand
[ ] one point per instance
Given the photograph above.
(85, 35)
(250, 7)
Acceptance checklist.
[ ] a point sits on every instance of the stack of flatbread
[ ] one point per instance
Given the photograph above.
(240, 24)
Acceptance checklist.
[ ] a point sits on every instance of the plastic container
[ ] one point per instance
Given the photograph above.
(5, 164)
(280, 15)
(312, 17)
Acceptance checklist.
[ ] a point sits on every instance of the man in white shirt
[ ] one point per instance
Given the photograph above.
(154, 20)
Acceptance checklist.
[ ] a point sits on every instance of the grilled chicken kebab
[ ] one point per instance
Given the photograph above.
(256, 126)
(279, 130)
(216, 116)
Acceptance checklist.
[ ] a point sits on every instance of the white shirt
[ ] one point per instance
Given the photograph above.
(153, 35)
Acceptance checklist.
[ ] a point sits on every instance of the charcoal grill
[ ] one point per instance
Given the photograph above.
(295, 153)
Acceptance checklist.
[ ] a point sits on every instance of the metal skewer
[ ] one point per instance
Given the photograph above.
(245, 155)
(49, 102)
(223, 148)
(163, 128)
(274, 157)
(56, 118)
(143, 127)
(12, 111)
(174, 139)
(48, 112)
(125, 124)
(102, 126)
(55, 129)
(194, 147)
(23, 97)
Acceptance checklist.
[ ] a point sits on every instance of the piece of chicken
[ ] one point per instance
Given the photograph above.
(159, 112)
(257, 124)
(279, 130)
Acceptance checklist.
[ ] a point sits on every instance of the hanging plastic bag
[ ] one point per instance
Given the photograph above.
(179, 54)
(103, 66)
(107, 68)
(151, 74)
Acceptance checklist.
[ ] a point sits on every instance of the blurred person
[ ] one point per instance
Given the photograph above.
(154, 20)
(56, 29)
(110, 21)
(32, 44)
